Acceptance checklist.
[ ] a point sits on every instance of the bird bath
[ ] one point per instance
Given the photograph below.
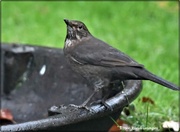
(37, 86)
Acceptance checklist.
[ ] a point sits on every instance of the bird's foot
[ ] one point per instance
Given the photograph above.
(107, 106)
(103, 103)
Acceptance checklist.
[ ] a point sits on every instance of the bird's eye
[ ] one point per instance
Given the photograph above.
(80, 27)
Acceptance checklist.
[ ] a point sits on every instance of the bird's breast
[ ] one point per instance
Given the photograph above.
(68, 43)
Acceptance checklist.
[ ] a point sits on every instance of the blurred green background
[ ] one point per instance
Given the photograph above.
(146, 31)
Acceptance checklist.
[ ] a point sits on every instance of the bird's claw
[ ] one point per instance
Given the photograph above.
(103, 103)
(107, 106)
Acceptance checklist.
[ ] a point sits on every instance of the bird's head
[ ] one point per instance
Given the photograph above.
(76, 30)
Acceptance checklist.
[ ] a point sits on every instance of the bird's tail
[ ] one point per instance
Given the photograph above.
(149, 76)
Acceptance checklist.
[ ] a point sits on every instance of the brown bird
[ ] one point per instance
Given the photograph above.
(100, 63)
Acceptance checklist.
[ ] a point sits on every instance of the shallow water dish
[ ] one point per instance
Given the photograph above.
(38, 86)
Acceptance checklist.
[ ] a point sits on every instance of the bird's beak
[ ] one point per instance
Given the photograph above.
(68, 23)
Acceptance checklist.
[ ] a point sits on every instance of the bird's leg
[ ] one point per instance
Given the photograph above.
(84, 104)
(99, 85)
(88, 99)
(105, 104)
(107, 92)
(123, 85)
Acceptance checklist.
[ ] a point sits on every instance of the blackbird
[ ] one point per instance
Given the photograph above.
(100, 63)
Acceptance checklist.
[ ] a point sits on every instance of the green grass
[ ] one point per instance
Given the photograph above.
(146, 31)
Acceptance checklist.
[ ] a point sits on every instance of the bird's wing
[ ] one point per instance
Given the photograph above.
(117, 62)
(101, 54)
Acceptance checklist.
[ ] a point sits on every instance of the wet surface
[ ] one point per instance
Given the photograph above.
(37, 81)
